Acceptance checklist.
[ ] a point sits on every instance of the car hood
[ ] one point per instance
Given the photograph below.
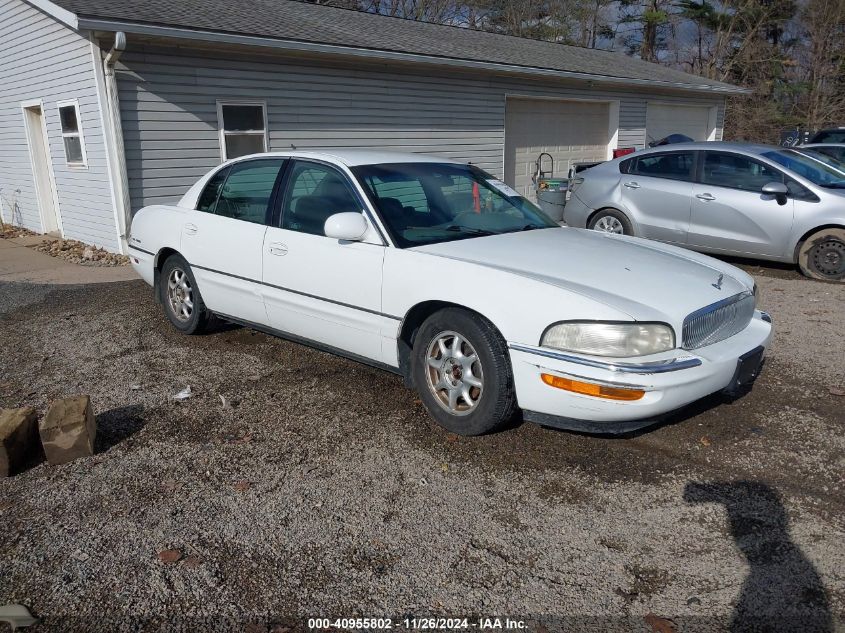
(648, 281)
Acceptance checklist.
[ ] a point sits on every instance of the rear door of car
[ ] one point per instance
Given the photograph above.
(222, 239)
(315, 287)
(729, 211)
(657, 188)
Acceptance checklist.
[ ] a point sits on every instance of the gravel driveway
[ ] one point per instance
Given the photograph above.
(294, 484)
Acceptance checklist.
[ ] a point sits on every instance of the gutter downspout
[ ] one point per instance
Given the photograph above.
(113, 107)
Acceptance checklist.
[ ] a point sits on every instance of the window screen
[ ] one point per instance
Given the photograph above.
(72, 134)
(243, 129)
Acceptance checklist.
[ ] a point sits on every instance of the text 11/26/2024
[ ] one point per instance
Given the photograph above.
(417, 624)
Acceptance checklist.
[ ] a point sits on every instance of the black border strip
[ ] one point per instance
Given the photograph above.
(141, 250)
(311, 343)
(298, 292)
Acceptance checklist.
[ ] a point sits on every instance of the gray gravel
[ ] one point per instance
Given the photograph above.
(322, 488)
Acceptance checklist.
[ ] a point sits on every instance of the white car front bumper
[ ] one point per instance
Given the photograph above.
(670, 380)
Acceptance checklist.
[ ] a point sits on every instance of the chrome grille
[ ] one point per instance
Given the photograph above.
(718, 321)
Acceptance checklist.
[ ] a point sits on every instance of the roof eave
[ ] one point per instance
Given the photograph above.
(98, 24)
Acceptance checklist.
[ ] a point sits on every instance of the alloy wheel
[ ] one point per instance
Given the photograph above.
(609, 224)
(180, 295)
(454, 373)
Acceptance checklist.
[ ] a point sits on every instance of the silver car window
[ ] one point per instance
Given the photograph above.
(671, 165)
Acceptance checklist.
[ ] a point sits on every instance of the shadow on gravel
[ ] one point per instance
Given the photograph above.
(116, 425)
(783, 591)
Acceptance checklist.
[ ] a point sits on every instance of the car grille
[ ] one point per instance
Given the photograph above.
(718, 321)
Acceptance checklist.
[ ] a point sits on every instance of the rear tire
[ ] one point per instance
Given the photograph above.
(611, 221)
(461, 369)
(822, 255)
(181, 297)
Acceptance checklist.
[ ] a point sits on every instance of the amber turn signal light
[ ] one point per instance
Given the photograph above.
(591, 389)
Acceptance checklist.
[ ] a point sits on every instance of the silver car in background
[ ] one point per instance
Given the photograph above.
(755, 201)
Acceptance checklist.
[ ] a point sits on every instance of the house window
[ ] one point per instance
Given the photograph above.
(72, 139)
(243, 128)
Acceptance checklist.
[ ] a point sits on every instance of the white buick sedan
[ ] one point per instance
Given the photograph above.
(443, 274)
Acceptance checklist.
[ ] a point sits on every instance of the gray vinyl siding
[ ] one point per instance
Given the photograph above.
(168, 107)
(43, 59)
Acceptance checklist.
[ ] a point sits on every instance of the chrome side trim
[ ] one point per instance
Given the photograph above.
(653, 367)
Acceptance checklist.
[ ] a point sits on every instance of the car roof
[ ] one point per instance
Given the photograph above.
(354, 157)
(751, 148)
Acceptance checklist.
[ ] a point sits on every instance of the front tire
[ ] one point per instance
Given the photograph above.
(461, 369)
(611, 221)
(822, 255)
(181, 297)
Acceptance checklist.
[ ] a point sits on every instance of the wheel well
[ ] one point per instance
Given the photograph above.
(409, 328)
(807, 235)
(161, 257)
(597, 211)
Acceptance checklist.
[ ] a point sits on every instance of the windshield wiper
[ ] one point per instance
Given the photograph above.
(840, 184)
(468, 229)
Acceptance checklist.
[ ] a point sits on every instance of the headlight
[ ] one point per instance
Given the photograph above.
(610, 339)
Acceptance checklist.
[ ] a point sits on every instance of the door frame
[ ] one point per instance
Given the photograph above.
(27, 106)
(712, 115)
(612, 118)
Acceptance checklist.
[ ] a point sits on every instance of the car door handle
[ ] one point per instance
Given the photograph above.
(631, 185)
(191, 229)
(277, 248)
(706, 196)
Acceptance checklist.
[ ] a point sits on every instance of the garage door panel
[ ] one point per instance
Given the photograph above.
(663, 119)
(571, 131)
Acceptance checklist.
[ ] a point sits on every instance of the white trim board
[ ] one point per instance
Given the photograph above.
(54, 192)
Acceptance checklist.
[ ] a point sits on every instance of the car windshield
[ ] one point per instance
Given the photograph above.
(427, 203)
(810, 168)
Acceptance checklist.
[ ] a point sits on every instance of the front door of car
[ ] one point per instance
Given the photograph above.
(731, 214)
(222, 238)
(317, 288)
(657, 190)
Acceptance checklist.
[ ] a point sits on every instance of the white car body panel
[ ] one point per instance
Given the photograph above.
(352, 297)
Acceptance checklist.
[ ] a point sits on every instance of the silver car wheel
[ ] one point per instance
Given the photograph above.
(609, 224)
(180, 295)
(454, 373)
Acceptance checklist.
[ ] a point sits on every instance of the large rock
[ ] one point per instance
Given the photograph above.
(68, 430)
(17, 437)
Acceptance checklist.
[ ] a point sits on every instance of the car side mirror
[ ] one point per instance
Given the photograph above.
(349, 227)
(776, 189)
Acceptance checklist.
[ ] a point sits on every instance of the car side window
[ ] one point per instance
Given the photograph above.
(314, 193)
(834, 152)
(671, 165)
(248, 189)
(208, 198)
(737, 172)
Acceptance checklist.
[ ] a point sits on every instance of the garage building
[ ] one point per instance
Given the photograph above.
(110, 105)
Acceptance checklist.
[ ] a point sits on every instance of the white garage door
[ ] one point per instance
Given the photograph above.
(571, 131)
(664, 119)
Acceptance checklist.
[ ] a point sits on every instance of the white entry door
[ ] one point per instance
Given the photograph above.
(39, 156)
(571, 131)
